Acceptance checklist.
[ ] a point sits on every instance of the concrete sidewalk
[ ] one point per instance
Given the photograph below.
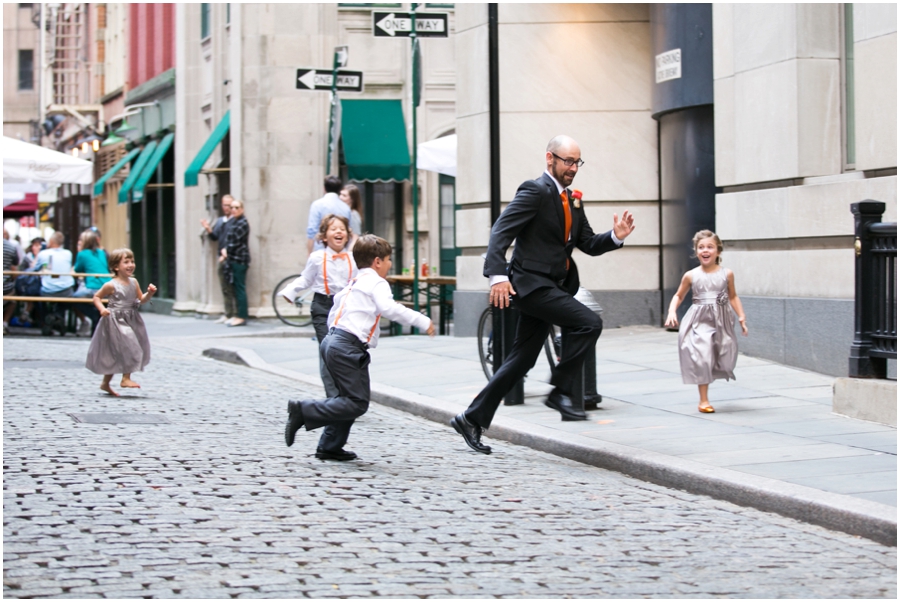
(773, 442)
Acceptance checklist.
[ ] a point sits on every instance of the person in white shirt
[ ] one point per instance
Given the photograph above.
(330, 203)
(354, 329)
(58, 261)
(327, 273)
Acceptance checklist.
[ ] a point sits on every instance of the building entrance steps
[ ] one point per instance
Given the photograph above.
(773, 442)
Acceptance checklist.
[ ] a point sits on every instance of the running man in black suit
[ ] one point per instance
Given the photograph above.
(547, 225)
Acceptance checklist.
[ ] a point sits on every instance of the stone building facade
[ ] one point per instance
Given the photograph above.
(239, 62)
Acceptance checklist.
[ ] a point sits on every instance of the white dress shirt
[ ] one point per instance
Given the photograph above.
(326, 273)
(495, 278)
(358, 308)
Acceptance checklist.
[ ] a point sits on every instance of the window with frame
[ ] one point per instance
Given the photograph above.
(204, 20)
(26, 69)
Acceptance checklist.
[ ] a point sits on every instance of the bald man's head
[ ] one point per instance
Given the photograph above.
(560, 149)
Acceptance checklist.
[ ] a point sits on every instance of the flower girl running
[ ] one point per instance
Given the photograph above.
(120, 343)
(707, 346)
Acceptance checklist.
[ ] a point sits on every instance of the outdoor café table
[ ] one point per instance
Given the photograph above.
(437, 290)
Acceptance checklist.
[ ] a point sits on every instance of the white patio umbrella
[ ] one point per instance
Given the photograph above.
(438, 155)
(25, 164)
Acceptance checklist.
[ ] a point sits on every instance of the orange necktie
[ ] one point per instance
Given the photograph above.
(568, 212)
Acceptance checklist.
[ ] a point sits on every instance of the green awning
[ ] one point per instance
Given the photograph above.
(137, 194)
(374, 137)
(193, 170)
(98, 185)
(136, 169)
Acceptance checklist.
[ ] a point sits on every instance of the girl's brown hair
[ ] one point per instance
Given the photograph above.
(326, 223)
(116, 257)
(709, 234)
(355, 198)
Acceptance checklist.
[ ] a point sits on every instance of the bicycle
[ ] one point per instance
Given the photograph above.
(296, 313)
(486, 343)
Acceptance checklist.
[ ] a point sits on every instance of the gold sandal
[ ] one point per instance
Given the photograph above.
(706, 409)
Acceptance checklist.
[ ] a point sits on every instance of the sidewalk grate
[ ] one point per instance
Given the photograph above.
(120, 418)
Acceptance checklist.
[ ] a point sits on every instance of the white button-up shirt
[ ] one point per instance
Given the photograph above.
(326, 273)
(358, 308)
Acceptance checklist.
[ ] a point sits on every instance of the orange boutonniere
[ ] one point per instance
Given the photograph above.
(576, 195)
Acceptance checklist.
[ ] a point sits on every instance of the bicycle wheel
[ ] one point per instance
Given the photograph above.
(486, 342)
(296, 313)
(553, 346)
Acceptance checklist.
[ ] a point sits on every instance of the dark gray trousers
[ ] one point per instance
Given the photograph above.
(347, 359)
(318, 310)
(537, 311)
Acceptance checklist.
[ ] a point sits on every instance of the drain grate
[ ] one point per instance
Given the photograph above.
(120, 418)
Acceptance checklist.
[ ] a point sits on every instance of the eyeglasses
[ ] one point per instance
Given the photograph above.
(569, 162)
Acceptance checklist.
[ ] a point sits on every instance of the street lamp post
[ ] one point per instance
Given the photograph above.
(416, 98)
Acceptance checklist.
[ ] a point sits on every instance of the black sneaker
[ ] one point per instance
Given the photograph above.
(340, 455)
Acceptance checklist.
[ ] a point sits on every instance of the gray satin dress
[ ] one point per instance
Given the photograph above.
(120, 344)
(707, 346)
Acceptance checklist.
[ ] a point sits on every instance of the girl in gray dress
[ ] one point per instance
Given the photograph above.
(120, 344)
(707, 347)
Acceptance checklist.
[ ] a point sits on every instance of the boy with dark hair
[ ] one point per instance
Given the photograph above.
(353, 329)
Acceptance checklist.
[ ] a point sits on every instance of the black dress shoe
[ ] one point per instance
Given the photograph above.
(340, 455)
(592, 402)
(562, 403)
(294, 421)
(471, 433)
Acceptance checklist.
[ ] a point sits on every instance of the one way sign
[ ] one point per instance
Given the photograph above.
(428, 25)
(320, 79)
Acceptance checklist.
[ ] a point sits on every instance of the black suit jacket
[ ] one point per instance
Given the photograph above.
(536, 221)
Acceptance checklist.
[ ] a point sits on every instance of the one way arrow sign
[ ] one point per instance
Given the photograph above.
(428, 25)
(320, 79)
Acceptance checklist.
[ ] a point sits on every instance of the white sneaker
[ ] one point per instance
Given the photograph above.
(84, 329)
(222, 320)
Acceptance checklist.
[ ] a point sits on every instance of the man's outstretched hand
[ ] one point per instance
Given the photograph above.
(622, 228)
(500, 294)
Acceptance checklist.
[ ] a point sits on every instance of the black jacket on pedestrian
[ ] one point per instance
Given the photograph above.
(536, 221)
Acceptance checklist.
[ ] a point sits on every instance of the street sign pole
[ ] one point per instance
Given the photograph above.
(415, 153)
(332, 116)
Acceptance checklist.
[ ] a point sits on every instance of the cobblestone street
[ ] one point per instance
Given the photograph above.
(212, 504)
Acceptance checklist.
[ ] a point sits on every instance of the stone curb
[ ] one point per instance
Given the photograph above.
(855, 516)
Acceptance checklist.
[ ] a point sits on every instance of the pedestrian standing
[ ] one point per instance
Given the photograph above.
(219, 232)
(237, 253)
(350, 195)
(327, 272)
(330, 203)
(91, 259)
(120, 344)
(10, 257)
(547, 225)
(353, 323)
(707, 346)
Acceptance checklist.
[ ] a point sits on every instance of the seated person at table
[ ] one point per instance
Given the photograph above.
(56, 260)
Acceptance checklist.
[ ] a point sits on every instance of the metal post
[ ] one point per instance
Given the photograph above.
(415, 154)
(159, 230)
(504, 320)
(334, 78)
(862, 365)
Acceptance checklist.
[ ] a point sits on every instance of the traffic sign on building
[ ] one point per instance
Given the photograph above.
(428, 25)
(321, 79)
